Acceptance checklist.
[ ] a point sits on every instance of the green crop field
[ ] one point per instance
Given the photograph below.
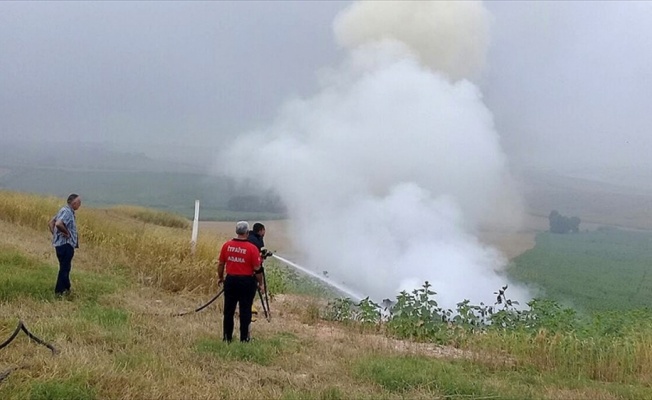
(174, 192)
(156, 189)
(607, 269)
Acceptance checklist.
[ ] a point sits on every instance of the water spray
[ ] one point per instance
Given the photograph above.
(353, 295)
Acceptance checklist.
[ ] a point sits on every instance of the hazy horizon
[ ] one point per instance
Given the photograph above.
(392, 115)
(567, 82)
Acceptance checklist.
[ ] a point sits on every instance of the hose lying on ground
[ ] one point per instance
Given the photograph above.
(200, 308)
(21, 327)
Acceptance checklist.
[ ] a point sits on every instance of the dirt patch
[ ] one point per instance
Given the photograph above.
(425, 349)
(338, 334)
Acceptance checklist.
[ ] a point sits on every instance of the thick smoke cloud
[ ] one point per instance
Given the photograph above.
(450, 38)
(390, 169)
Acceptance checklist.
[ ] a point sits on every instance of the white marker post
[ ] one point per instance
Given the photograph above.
(195, 228)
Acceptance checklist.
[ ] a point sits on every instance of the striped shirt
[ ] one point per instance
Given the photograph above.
(67, 216)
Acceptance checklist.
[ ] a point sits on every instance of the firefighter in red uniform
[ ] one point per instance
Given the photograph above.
(241, 260)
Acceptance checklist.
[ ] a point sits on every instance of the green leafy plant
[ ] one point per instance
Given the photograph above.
(418, 315)
(368, 312)
(339, 310)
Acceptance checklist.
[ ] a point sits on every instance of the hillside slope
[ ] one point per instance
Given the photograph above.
(117, 339)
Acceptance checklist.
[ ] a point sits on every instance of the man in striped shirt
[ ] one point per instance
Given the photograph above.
(65, 240)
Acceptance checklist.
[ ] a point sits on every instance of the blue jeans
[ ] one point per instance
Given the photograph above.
(65, 253)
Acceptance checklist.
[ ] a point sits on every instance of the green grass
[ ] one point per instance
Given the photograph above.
(21, 276)
(258, 351)
(402, 374)
(592, 271)
(410, 376)
(106, 317)
(75, 388)
(331, 393)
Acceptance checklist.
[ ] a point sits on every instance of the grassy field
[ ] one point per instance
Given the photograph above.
(122, 180)
(594, 202)
(118, 340)
(606, 269)
(172, 192)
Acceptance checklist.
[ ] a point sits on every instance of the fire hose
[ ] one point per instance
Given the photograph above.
(264, 300)
(21, 327)
(202, 307)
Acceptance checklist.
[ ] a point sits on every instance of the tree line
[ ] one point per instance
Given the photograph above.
(563, 224)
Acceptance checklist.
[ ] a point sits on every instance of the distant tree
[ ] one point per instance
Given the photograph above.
(556, 221)
(562, 224)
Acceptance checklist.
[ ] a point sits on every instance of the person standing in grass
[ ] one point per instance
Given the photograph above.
(241, 261)
(63, 227)
(256, 236)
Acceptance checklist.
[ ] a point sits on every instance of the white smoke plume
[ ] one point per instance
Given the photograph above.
(391, 168)
(449, 37)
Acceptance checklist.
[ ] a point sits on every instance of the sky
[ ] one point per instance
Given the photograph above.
(155, 73)
(392, 130)
(568, 83)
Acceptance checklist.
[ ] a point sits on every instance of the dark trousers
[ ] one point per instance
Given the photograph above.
(238, 290)
(65, 253)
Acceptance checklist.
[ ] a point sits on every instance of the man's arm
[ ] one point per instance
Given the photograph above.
(220, 272)
(62, 228)
(51, 225)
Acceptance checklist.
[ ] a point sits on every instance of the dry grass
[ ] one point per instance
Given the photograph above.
(157, 356)
(117, 339)
(154, 217)
(117, 347)
(122, 350)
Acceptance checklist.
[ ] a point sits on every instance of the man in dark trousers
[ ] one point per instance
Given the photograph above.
(241, 261)
(63, 227)
(256, 236)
